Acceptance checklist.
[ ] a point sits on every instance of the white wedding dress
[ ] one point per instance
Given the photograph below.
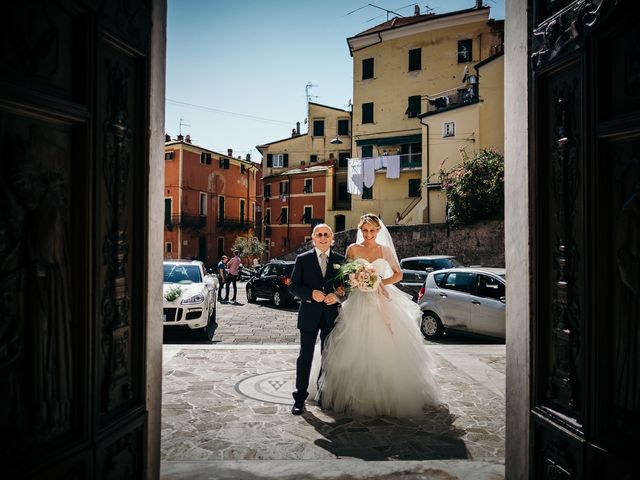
(375, 361)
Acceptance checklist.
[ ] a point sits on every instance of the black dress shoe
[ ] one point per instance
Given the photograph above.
(298, 409)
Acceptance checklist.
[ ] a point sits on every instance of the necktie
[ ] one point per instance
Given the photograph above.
(323, 263)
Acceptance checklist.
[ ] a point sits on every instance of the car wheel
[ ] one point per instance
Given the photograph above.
(277, 299)
(207, 332)
(431, 326)
(251, 297)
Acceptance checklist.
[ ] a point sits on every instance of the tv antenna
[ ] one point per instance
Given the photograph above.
(182, 122)
(307, 87)
(385, 10)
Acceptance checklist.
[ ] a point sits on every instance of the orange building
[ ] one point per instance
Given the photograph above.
(210, 200)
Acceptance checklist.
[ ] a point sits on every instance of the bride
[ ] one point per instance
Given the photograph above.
(374, 361)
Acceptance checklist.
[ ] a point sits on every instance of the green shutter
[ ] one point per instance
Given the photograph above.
(269, 160)
(286, 159)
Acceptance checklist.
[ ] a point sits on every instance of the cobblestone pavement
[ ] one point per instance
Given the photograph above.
(226, 410)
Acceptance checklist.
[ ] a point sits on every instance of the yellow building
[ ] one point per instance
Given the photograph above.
(304, 176)
(396, 66)
(466, 120)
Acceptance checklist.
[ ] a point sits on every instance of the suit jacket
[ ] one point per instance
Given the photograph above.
(307, 277)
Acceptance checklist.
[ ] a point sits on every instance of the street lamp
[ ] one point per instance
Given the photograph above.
(336, 141)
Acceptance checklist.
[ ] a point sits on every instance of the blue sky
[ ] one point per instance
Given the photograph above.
(237, 70)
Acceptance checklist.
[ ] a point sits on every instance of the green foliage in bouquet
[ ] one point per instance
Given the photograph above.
(173, 293)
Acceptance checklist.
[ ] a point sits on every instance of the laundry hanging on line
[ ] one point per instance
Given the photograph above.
(362, 171)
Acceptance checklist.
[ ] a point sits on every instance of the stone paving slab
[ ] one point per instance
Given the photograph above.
(208, 417)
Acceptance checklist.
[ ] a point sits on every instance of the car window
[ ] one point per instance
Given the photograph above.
(441, 263)
(266, 271)
(182, 274)
(490, 287)
(439, 278)
(459, 281)
(276, 270)
(410, 265)
(288, 269)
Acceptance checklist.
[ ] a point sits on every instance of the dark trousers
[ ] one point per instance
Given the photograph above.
(231, 280)
(305, 358)
(222, 284)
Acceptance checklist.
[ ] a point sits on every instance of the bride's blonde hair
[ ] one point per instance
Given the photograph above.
(369, 218)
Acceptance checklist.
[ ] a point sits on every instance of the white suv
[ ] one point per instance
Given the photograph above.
(189, 297)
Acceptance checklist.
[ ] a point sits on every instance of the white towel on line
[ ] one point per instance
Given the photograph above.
(354, 176)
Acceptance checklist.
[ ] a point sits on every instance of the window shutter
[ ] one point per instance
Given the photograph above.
(286, 159)
(269, 160)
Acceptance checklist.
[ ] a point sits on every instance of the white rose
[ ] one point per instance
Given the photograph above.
(336, 266)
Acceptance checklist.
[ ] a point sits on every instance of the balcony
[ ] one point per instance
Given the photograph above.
(411, 160)
(229, 223)
(456, 97)
(184, 220)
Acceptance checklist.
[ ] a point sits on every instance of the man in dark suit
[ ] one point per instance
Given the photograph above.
(313, 281)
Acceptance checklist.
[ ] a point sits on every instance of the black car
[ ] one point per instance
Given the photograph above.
(416, 269)
(272, 282)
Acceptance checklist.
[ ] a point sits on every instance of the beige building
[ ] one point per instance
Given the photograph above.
(459, 125)
(397, 66)
(304, 176)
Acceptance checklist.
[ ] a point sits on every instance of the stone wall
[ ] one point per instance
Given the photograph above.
(479, 244)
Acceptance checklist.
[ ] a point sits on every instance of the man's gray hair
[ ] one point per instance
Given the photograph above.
(319, 226)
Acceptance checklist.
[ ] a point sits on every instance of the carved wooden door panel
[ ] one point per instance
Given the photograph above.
(585, 78)
(73, 175)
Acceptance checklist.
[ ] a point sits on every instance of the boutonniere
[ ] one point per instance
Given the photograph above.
(336, 266)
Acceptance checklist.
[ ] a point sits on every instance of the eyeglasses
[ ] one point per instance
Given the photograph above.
(322, 234)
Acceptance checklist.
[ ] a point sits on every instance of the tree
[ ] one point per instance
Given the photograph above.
(249, 246)
(475, 188)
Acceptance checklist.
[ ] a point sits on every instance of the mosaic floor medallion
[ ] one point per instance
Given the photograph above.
(272, 387)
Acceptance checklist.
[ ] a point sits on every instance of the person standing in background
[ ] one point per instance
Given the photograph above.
(233, 267)
(222, 276)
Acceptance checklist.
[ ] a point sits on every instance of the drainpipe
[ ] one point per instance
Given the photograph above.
(428, 175)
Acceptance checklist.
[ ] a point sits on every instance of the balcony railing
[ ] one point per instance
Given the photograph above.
(186, 221)
(411, 160)
(452, 98)
(229, 223)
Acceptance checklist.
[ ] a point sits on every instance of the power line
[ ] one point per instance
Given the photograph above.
(226, 112)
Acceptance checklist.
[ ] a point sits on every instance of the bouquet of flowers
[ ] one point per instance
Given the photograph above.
(360, 274)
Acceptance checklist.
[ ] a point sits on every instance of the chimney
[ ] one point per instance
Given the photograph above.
(167, 137)
(416, 10)
(230, 152)
(479, 4)
(293, 132)
(187, 139)
(297, 128)
(248, 157)
(180, 138)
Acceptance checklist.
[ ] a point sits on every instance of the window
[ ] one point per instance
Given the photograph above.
(307, 215)
(284, 187)
(414, 187)
(267, 190)
(253, 212)
(367, 193)
(313, 158)
(277, 160)
(415, 59)
(168, 155)
(449, 129)
(343, 192)
(283, 214)
(308, 185)
(224, 163)
(343, 159)
(242, 203)
(221, 210)
(203, 203)
(318, 128)
(367, 112)
(167, 211)
(465, 52)
(490, 287)
(167, 247)
(459, 281)
(267, 216)
(413, 106)
(205, 158)
(367, 68)
(343, 127)
(367, 151)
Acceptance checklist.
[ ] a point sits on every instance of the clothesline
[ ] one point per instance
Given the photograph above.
(363, 173)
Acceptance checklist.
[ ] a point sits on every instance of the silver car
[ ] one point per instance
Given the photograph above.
(469, 299)
(415, 270)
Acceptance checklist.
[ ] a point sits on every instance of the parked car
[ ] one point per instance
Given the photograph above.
(190, 295)
(245, 273)
(415, 270)
(466, 299)
(272, 282)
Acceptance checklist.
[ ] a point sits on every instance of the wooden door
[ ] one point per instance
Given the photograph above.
(585, 94)
(73, 180)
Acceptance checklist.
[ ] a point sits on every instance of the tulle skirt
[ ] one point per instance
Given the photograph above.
(374, 361)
